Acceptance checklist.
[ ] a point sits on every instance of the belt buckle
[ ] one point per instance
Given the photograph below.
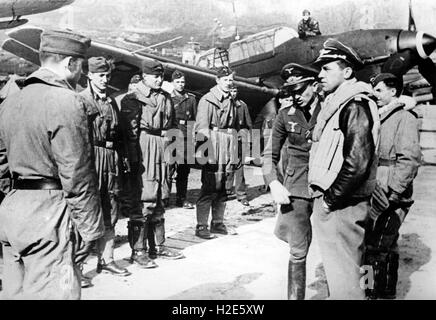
(109, 144)
(229, 130)
(182, 122)
(215, 129)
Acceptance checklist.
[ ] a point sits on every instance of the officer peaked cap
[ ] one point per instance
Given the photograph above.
(64, 42)
(152, 67)
(334, 50)
(299, 71)
(99, 64)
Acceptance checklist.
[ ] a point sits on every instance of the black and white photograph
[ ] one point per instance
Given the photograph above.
(217, 150)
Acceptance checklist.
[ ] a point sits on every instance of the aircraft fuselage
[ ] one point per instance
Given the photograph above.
(14, 8)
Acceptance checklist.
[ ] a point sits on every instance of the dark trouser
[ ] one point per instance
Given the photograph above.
(381, 251)
(182, 180)
(212, 195)
(293, 226)
(341, 239)
(239, 179)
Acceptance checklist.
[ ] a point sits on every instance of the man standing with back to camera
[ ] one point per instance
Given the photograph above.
(45, 130)
(294, 123)
(342, 167)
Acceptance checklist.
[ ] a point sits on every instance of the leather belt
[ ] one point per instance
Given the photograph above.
(386, 162)
(104, 144)
(36, 184)
(154, 132)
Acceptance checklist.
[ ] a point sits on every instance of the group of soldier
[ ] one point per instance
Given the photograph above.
(346, 154)
(340, 149)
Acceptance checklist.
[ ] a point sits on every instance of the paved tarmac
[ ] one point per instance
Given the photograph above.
(252, 264)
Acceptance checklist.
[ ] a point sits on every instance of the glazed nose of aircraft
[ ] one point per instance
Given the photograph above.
(423, 43)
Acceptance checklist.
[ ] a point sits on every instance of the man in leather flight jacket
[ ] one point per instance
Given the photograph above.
(343, 168)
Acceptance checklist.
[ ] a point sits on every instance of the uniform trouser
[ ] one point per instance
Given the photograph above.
(293, 226)
(212, 196)
(109, 190)
(183, 171)
(341, 236)
(45, 270)
(381, 249)
(238, 178)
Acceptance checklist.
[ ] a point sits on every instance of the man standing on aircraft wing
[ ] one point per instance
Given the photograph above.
(154, 116)
(108, 144)
(308, 26)
(295, 124)
(44, 128)
(342, 167)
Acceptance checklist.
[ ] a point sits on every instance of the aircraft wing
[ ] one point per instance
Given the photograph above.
(24, 42)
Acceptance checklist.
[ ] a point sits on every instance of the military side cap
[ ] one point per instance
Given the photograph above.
(177, 75)
(334, 50)
(306, 11)
(99, 64)
(152, 67)
(383, 77)
(64, 42)
(135, 79)
(223, 72)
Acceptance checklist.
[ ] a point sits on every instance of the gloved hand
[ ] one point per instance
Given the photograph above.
(394, 197)
(84, 251)
(379, 202)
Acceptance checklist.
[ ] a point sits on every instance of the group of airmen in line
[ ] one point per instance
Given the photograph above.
(341, 150)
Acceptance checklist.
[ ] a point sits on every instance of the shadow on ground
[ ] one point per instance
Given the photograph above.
(413, 255)
(234, 290)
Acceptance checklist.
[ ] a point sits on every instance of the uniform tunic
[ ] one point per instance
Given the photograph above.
(106, 139)
(154, 115)
(293, 222)
(45, 130)
(217, 121)
(185, 107)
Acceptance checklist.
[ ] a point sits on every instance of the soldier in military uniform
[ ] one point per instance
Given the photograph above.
(399, 160)
(216, 127)
(185, 107)
(294, 124)
(342, 167)
(308, 26)
(151, 116)
(245, 126)
(108, 145)
(55, 188)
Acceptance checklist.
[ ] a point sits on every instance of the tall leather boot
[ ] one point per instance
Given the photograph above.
(296, 280)
(389, 291)
(137, 235)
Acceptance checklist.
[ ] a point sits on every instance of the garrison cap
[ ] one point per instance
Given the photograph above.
(382, 77)
(152, 67)
(177, 74)
(99, 64)
(64, 42)
(306, 11)
(389, 79)
(334, 50)
(224, 72)
(135, 79)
